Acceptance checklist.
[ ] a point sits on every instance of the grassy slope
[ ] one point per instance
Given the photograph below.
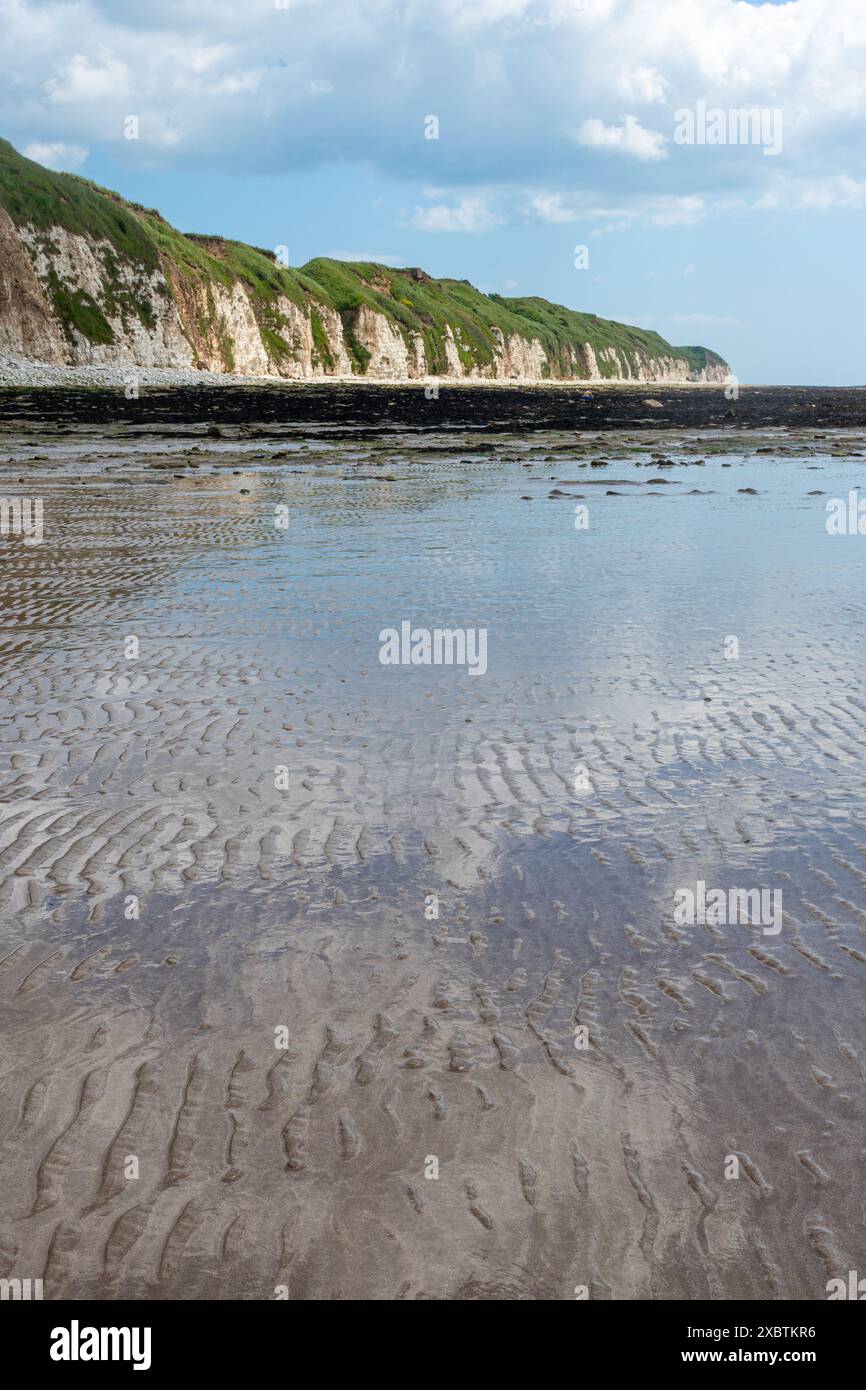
(139, 237)
(416, 303)
(700, 357)
(413, 301)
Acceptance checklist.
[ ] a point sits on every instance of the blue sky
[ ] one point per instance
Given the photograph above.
(304, 126)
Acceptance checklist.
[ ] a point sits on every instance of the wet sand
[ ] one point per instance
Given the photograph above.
(146, 1044)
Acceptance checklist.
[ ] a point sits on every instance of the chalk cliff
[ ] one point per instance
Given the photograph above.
(89, 279)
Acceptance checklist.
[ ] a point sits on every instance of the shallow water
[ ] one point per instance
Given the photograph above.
(147, 786)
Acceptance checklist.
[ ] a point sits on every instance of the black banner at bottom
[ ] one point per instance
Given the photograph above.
(220, 1338)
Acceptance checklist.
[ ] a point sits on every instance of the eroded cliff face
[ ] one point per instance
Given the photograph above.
(132, 323)
(28, 328)
(68, 298)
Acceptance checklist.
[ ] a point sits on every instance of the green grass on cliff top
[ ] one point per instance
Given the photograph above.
(32, 194)
(418, 303)
(44, 199)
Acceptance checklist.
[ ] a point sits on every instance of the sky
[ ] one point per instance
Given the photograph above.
(559, 124)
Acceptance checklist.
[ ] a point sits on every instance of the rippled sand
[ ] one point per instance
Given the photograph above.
(149, 786)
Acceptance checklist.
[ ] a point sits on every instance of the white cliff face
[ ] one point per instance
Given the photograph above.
(85, 266)
(452, 356)
(390, 355)
(304, 361)
(519, 358)
(333, 326)
(646, 368)
(719, 374)
(239, 332)
(168, 318)
(588, 367)
(514, 358)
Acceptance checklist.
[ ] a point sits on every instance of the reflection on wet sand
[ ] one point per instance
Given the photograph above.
(250, 833)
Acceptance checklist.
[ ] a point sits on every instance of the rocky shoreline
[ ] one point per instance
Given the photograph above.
(199, 401)
(21, 372)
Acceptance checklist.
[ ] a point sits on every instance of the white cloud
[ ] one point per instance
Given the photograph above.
(236, 83)
(642, 84)
(57, 155)
(838, 192)
(200, 59)
(259, 90)
(615, 213)
(548, 207)
(628, 138)
(679, 212)
(610, 228)
(80, 81)
(468, 214)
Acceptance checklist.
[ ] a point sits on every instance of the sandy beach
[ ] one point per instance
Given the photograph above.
(323, 979)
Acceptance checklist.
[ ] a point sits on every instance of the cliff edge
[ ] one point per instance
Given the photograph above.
(89, 279)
